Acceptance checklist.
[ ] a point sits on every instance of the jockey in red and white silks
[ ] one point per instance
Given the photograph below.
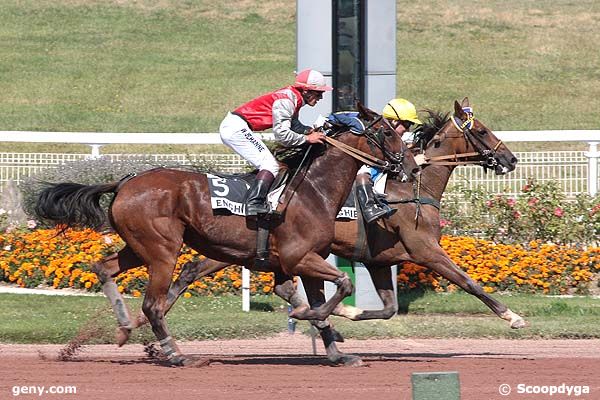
(274, 110)
(277, 110)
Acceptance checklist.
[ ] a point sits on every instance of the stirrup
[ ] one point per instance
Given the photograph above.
(389, 211)
(374, 213)
(253, 210)
(261, 262)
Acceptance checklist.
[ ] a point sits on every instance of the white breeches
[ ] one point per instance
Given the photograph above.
(236, 134)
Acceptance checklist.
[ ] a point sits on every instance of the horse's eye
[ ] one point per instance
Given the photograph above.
(482, 132)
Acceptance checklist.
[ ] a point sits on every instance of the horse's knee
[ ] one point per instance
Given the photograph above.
(152, 309)
(344, 284)
(189, 271)
(100, 270)
(285, 290)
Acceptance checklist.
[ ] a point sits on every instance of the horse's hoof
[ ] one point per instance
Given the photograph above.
(518, 323)
(122, 335)
(352, 361)
(203, 362)
(349, 360)
(178, 361)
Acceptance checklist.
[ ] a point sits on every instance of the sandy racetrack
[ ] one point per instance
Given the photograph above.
(284, 367)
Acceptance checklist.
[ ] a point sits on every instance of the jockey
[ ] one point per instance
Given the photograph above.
(278, 110)
(401, 114)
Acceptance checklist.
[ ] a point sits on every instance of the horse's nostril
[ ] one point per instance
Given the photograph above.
(513, 160)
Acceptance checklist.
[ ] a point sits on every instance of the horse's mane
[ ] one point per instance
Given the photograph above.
(434, 121)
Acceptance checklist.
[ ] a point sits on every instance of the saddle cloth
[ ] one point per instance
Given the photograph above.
(228, 194)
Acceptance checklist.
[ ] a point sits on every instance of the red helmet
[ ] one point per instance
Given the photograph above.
(311, 80)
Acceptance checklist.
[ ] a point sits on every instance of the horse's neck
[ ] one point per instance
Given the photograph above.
(332, 176)
(434, 180)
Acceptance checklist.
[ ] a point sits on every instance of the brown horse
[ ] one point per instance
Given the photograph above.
(447, 142)
(158, 211)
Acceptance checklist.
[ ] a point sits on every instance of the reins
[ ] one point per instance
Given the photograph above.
(361, 156)
(366, 158)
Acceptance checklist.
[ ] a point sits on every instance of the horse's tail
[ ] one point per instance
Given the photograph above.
(73, 204)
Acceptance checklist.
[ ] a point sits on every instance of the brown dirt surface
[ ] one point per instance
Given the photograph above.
(284, 367)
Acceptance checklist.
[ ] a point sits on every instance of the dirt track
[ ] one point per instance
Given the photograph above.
(284, 367)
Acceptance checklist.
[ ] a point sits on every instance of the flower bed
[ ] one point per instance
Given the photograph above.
(31, 258)
(44, 256)
(534, 268)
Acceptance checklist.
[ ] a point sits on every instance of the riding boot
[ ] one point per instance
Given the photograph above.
(256, 200)
(371, 207)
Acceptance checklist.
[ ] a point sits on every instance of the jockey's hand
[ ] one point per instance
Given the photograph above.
(420, 159)
(315, 136)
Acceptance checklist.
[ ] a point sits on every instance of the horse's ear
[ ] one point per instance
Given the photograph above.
(458, 111)
(365, 113)
(465, 102)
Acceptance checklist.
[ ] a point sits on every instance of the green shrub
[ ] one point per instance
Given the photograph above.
(95, 171)
(540, 212)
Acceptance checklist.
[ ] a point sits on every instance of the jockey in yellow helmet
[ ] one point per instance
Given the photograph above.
(401, 114)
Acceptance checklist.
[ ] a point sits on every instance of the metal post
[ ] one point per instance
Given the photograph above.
(291, 322)
(593, 156)
(245, 289)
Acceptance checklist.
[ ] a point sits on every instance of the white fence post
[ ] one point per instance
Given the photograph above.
(593, 156)
(95, 150)
(245, 289)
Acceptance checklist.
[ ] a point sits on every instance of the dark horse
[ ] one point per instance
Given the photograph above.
(156, 212)
(447, 141)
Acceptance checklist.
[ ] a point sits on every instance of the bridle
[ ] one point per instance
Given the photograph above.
(485, 154)
(376, 139)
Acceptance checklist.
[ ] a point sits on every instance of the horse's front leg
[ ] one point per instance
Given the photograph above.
(313, 266)
(315, 294)
(382, 280)
(190, 272)
(155, 305)
(435, 258)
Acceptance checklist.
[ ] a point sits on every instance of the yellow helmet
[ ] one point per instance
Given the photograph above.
(401, 109)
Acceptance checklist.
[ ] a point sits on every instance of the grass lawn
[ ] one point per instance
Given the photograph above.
(178, 66)
(57, 319)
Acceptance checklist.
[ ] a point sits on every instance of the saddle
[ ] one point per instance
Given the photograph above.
(228, 192)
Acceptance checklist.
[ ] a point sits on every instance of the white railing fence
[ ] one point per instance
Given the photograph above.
(568, 168)
(576, 171)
